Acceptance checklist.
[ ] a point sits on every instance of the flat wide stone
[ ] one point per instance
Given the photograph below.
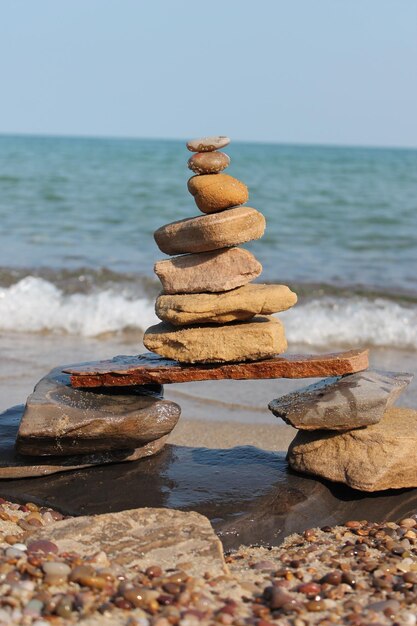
(15, 465)
(256, 339)
(220, 270)
(249, 495)
(151, 368)
(239, 304)
(211, 232)
(141, 538)
(341, 403)
(60, 420)
(378, 457)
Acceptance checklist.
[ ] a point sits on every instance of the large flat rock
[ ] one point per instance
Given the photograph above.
(220, 308)
(258, 338)
(249, 495)
(15, 465)
(210, 232)
(60, 420)
(152, 368)
(142, 538)
(341, 403)
(215, 271)
(378, 457)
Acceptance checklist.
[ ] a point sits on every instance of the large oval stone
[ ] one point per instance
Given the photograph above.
(208, 162)
(257, 339)
(211, 232)
(378, 457)
(219, 308)
(208, 144)
(215, 193)
(216, 271)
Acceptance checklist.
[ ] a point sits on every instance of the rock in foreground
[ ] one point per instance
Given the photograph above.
(142, 537)
(221, 270)
(236, 305)
(59, 420)
(259, 338)
(210, 232)
(341, 403)
(382, 456)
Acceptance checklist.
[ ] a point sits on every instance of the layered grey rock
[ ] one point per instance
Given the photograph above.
(60, 420)
(341, 403)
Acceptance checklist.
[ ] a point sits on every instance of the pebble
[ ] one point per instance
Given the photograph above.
(42, 546)
(208, 144)
(208, 162)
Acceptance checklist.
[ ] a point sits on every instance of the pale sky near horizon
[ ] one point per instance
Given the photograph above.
(303, 71)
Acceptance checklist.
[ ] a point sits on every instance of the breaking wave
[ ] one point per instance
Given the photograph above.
(34, 304)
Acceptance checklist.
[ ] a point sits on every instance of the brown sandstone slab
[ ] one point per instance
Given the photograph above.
(378, 457)
(15, 465)
(151, 368)
(341, 403)
(256, 339)
(215, 193)
(238, 304)
(141, 538)
(216, 271)
(211, 232)
(59, 420)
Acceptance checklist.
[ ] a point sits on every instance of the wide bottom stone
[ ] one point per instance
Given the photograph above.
(60, 420)
(260, 338)
(249, 495)
(381, 456)
(15, 465)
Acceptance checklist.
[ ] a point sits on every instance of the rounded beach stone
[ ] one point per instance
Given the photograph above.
(208, 144)
(216, 271)
(211, 232)
(219, 308)
(215, 193)
(260, 338)
(378, 457)
(208, 162)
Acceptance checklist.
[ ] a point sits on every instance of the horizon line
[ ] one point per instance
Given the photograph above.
(244, 141)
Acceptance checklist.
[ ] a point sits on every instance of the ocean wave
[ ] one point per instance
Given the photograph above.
(34, 304)
(352, 322)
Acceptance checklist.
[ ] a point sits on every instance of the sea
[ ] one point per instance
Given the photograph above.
(77, 217)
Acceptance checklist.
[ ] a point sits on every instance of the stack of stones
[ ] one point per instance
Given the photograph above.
(350, 432)
(211, 312)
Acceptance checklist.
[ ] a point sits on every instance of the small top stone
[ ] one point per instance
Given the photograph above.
(208, 144)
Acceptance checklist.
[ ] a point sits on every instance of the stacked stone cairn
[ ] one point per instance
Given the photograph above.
(211, 311)
(350, 432)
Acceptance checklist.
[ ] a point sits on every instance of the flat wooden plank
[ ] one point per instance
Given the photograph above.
(150, 368)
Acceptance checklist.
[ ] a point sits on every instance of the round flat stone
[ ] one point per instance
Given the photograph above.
(208, 144)
(259, 338)
(211, 232)
(208, 162)
(216, 193)
(220, 308)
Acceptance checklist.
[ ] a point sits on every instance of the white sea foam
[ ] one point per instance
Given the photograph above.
(36, 305)
(352, 322)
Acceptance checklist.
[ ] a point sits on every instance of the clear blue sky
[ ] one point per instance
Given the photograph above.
(306, 71)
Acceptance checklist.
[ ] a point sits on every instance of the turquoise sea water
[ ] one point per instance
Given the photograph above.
(77, 217)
